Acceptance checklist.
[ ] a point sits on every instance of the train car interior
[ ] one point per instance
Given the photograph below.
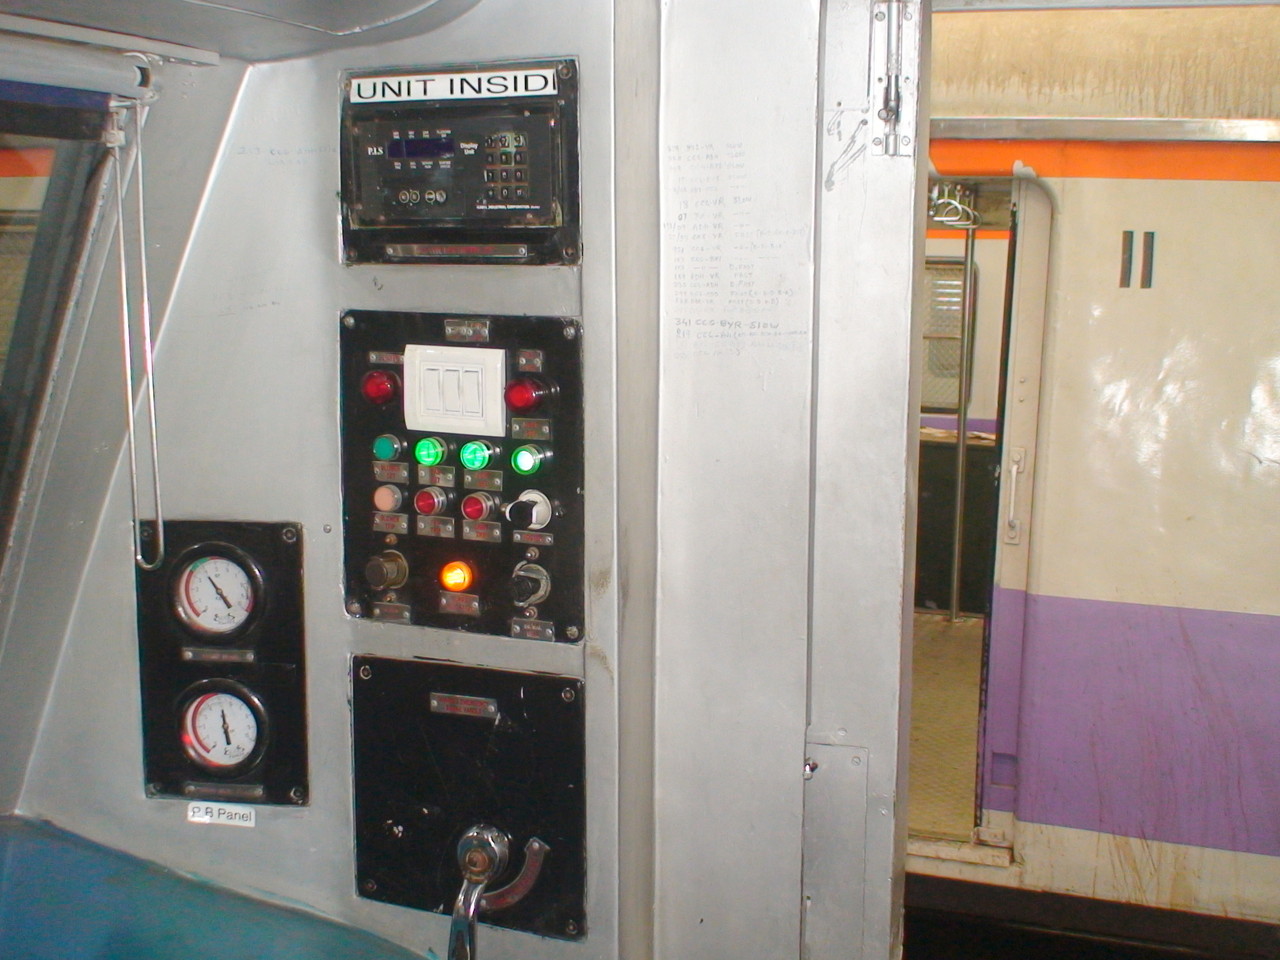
(621, 480)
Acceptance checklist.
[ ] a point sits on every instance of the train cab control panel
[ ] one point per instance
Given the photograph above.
(462, 165)
(462, 472)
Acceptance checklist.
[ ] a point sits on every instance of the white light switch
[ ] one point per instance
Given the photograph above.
(454, 389)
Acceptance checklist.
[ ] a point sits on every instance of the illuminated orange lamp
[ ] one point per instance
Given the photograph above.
(457, 576)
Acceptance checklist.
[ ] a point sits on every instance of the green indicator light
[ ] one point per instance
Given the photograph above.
(430, 452)
(386, 447)
(528, 459)
(475, 455)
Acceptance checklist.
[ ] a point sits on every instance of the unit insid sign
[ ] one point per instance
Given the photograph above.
(466, 165)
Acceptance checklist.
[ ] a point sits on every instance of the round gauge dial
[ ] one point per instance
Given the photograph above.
(214, 594)
(220, 730)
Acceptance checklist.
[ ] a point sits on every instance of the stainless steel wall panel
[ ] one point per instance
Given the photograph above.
(737, 141)
(866, 410)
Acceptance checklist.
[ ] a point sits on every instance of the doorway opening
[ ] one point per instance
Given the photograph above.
(968, 278)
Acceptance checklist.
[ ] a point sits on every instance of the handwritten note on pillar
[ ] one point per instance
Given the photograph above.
(737, 259)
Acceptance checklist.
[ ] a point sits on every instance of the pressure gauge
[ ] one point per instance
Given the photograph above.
(215, 594)
(223, 726)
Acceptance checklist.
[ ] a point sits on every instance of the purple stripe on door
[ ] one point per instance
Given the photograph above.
(1153, 722)
(1004, 689)
(949, 423)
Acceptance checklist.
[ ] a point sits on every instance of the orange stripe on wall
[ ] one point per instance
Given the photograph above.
(1183, 160)
(936, 234)
(35, 162)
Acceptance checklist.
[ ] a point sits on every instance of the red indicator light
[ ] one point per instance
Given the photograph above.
(430, 501)
(456, 576)
(380, 386)
(477, 506)
(525, 394)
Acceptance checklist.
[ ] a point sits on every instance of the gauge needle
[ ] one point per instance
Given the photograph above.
(218, 590)
(226, 728)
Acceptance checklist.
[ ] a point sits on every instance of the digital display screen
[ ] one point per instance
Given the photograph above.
(428, 148)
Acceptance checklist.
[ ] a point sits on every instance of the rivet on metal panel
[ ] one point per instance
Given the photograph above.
(365, 672)
(568, 694)
(571, 633)
(298, 795)
(368, 886)
(349, 321)
(289, 534)
(571, 927)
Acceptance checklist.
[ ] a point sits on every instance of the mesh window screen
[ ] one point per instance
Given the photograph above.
(942, 335)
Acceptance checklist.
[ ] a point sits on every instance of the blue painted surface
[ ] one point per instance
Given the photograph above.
(52, 96)
(65, 898)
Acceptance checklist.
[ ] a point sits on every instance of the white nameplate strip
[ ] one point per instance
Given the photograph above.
(222, 814)
(539, 82)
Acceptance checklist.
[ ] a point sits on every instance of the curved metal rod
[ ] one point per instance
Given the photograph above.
(126, 338)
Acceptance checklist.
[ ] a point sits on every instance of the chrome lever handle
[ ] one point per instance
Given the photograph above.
(482, 855)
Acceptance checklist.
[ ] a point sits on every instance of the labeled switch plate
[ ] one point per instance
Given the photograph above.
(454, 389)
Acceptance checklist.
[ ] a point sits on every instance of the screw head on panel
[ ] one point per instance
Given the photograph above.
(568, 694)
(365, 672)
(355, 608)
(289, 534)
(298, 795)
(348, 321)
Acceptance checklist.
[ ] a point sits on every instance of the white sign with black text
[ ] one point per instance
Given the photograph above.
(539, 82)
(221, 814)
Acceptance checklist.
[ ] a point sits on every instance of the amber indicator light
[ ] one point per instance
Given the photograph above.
(457, 576)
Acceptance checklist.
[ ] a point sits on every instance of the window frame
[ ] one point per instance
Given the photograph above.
(77, 120)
